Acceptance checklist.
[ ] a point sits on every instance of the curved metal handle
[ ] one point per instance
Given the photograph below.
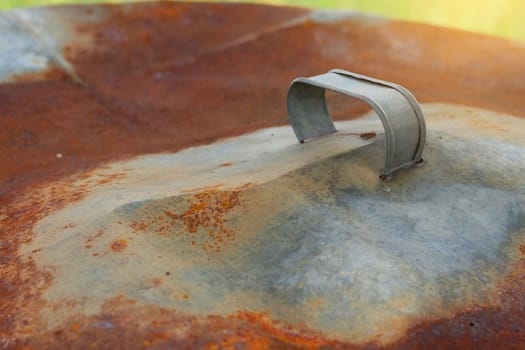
(398, 110)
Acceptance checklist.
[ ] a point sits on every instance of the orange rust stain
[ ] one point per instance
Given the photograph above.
(226, 164)
(22, 282)
(205, 219)
(156, 281)
(208, 210)
(107, 178)
(202, 189)
(367, 135)
(171, 215)
(309, 23)
(60, 118)
(90, 239)
(161, 33)
(118, 245)
(181, 331)
(26, 331)
(139, 226)
(69, 225)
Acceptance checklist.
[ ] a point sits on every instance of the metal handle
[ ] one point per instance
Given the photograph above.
(398, 110)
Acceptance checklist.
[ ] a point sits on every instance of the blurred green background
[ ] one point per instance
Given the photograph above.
(504, 18)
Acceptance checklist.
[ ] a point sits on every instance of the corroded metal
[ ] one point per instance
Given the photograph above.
(152, 196)
(398, 110)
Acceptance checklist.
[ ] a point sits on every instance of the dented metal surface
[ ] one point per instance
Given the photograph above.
(116, 232)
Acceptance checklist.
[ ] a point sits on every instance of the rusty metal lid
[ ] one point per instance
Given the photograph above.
(153, 194)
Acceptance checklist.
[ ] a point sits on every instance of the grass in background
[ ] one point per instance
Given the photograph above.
(504, 18)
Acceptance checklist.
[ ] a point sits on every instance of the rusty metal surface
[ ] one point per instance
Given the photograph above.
(213, 246)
